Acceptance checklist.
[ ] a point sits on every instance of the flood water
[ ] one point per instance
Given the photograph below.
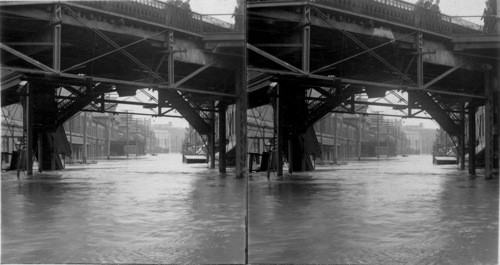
(145, 210)
(398, 211)
(158, 210)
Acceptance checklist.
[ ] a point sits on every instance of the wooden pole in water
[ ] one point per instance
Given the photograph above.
(396, 124)
(378, 136)
(222, 138)
(335, 128)
(321, 124)
(359, 138)
(136, 137)
(472, 140)
(108, 138)
(212, 137)
(96, 152)
(29, 129)
(462, 137)
(126, 132)
(488, 125)
(387, 141)
(40, 152)
(71, 139)
(241, 122)
(279, 138)
(84, 157)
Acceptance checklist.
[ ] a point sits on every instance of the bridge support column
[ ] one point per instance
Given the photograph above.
(306, 38)
(419, 41)
(279, 132)
(212, 137)
(472, 140)
(492, 81)
(28, 127)
(40, 152)
(222, 138)
(291, 154)
(461, 138)
(84, 155)
(72, 154)
(47, 155)
(241, 123)
(57, 38)
(297, 138)
(335, 147)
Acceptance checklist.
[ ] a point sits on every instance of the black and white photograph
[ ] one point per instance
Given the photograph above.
(250, 131)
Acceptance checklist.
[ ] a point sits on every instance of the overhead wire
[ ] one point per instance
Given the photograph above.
(140, 64)
(374, 54)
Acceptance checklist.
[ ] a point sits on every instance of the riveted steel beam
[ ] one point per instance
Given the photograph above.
(27, 58)
(275, 59)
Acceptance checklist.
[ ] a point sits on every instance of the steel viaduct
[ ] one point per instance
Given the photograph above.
(305, 58)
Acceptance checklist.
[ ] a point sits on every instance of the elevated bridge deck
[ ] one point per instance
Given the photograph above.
(326, 52)
(391, 12)
(73, 54)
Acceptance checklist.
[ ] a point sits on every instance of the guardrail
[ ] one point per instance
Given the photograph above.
(403, 13)
(162, 13)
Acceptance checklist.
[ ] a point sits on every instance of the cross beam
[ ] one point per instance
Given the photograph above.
(443, 75)
(275, 59)
(27, 58)
(379, 114)
(193, 74)
(133, 113)
(118, 82)
(363, 83)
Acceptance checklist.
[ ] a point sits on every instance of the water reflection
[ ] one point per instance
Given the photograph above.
(153, 210)
(157, 210)
(387, 211)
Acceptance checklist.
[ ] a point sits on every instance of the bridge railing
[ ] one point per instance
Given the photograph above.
(403, 13)
(162, 13)
(406, 13)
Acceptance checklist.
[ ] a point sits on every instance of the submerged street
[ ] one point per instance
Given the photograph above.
(144, 210)
(399, 211)
(298, 82)
(158, 210)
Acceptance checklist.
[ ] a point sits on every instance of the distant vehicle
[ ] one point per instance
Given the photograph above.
(154, 154)
(404, 155)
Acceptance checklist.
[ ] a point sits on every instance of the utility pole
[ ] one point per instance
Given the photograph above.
(279, 134)
(387, 140)
(472, 140)
(136, 137)
(461, 139)
(397, 137)
(321, 123)
(28, 127)
(212, 137)
(84, 157)
(335, 147)
(71, 138)
(126, 132)
(108, 143)
(401, 143)
(378, 135)
(445, 140)
(96, 152)
(145, 130)
(359, 138)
